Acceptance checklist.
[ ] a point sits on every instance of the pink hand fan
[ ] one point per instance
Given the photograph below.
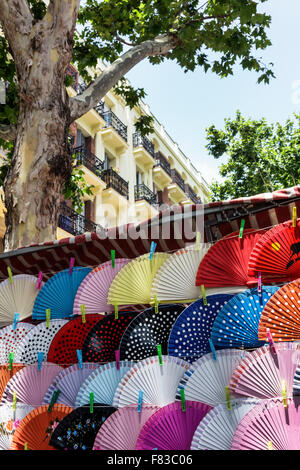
(10, 339)
(121, 429)
(171, 428)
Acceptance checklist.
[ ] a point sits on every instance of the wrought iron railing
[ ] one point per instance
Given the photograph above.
(99, 108)
(192, 195)
(112, 120)
(145, 142)
(176, 178)
(74, 223)
(85, 157)
(74, 74)
(115, 181)
(141, 191)
(162, 162)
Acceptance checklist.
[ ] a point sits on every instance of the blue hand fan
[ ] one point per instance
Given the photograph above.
(58, 294)
(191, 331)
(237, 322)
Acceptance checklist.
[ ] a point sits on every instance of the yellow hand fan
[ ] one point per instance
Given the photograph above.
(132, 285)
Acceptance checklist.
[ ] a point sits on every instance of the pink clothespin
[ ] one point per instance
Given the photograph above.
(72, 262)
(271, 341)
(259, 284)
(39, 281)
(117, 354)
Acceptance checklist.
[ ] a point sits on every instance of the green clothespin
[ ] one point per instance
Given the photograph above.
(183, 405)
(242, 228)
(48, 316)
(113, 257)
(155, 304)
(11, 360)
(53, 399)
(159, 354)
(83, 312)
(25, 446)
(9, 274)
(116, 311)
(91, 402)
(203, 294)
(228, 398)
(14, 403)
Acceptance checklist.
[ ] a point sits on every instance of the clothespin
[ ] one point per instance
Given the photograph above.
(182, 396)
(140, 401)
(72, 262)
(40, 356)
(11, 360)
(25, 446)
(212, 348)
(159, 355)
(155, 304)
(155, 448)
(117, 354)
(271, 341)
(39, 281)
(270, 445)
(259, 285)
(83, 312)
(152, 249)
(228, 398)
(48, 316)
(284, 393)
(53, 399)
(9, 274)
(16, 319)
(294, 217)
(79, 357)
(113, 256)
(242, 228)
(14, 403)
(91, 402)
(203, 294)
(116, 311)
(198, 238)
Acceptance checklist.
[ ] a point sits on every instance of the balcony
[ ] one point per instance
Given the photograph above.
(85, 157)
(115, 181)
(76, 224)
(177, 188)
(114, 131)
(142, 192)
(192, 195)
(161, 171)
(143, 150)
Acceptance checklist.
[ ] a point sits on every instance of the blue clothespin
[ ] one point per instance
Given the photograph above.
(152, 249)
(16, 319)
(79, 356)
(140, 401)
(212, 348)
(40, 356)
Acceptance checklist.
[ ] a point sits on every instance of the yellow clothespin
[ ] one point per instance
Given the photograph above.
(116, 311)
(14, 403)
(294, 217)
(48, 316)
(83, 312)
(198, 238)
(155, 304)
(228, 398)
(9, 274)
(284, 393)
(270, 445)
(204, 295)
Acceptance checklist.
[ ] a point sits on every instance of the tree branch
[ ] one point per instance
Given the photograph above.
(16, 20)
(64, 15)
(8, 132)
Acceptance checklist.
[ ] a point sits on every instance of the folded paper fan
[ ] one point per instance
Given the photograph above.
(68, 382)
(102, 383)
(175, 279)
(71, 337)
(276, 254)
(262, 373)
(58, 293)
(37, 340)
(121, 430)
(147, 330)
(217, 428)
(93, 290)
(281, 315)
(104, 338)
(157, 382)
(138, 274)
(37, 427)
(236, 324)
(170, 428)
(207, 378)
(9, 421)
(296, 384)
(6, 374)
(189, 337)
(269, 425)
(226, 262)
(30, 384)
(10, 338)
(78, 430)
(17, 296)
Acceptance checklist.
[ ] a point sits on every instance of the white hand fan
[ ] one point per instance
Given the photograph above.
(157, 382)
(207, 378)
(261, 373)
(10, 339)
(37, 340)
(103, 383)
(9, 421)
(17, 296)
(216, 430)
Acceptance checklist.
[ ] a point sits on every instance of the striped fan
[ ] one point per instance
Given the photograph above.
(138, 274)
(37, 427)
(261, 373)
(58, 294)
(10, 338)
(217, 428)
(276, 253)
(93, 290)
(9, 421)
(189, 337)
(157, 382)
(281, 315)
(71, 337)
(103, 383)
(207, 378)
(37, 340)
(17, 297)
(226, 262)
(170, 428)
(147, 330)
(269, 425)
(121, 430)
(175, 279)
(30, 384)
(68, 382)
(236, 324)
(6, 374)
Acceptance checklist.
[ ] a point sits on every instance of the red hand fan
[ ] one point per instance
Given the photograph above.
(6, 375)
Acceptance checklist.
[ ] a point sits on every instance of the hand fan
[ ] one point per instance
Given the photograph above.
(121, 430)
(37, 427)
(103, 383)
(37, 340)
(6, 375)
(30, 384)
(78, 430)
(9, 421)
(281, 315)
(170, 428)
(138, 274)
(261, 373)
(58, 294)
(269, 423)
(175, 279)
(236, 324)
(10, 338)
(147, 330)
(157, 382)
(276, 254)
(207, 378)
(217, 428)
(296, 384)
(189, 337)
(68, 382)
(17, 296)
(71, 337)
(104, 338)
(226, 262)
(93, 290)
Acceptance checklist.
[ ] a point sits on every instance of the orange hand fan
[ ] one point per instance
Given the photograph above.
(6, 375)
(37, 427)
(277, 253)
(226, 262)
(281, 314)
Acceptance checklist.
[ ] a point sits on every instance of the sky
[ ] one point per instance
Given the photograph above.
(187, 103)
